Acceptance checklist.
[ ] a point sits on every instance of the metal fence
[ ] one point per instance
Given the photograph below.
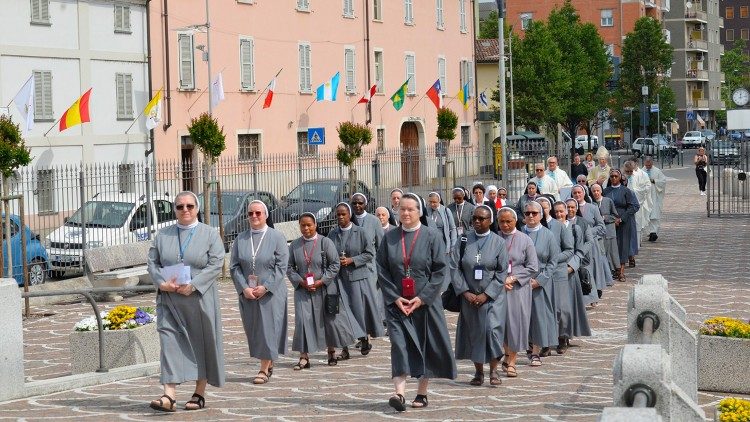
(728, 187)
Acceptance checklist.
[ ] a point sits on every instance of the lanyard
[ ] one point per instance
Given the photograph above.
(479, 248)
(308, 258)
(536, 236)
(407, 258)
(183, 248)
(459, 211)
(255, 250)
(435, 215)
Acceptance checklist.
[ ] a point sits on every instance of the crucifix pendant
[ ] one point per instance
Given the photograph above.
(478, 257)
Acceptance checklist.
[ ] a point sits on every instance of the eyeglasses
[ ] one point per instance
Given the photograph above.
(184, 206)
(358, 203)
(479, 218)
(530, 213)
(254, 213)
(503, 195)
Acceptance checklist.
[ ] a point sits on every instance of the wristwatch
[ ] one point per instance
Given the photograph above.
(192, 288)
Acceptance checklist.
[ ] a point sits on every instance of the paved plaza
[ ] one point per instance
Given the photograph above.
(704, 259)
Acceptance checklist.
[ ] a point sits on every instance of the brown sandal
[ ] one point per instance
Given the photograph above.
(495, 379)
(159, 404)
(196, 400)
(261, 378)
(511, 372)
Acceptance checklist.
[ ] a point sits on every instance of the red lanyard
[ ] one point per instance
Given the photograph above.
(308, 258)
(407, 258)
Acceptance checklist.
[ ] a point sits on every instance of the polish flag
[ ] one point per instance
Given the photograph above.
(365, 98)
(269, 95)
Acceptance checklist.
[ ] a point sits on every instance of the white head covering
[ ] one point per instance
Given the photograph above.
(364, 198)
(348, 207)
(258, 201)
(440, 198)
(416, 198)
(188, 193)
(308, 214)
(536, 205)
(492, 213)
(397, 190)
(491, 188)
(510, 210)
(602, 152)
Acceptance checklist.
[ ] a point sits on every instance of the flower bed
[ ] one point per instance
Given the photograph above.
(724, 355)
(733, 410)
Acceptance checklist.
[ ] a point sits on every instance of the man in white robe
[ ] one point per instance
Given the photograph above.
(658, 188)
(545, 184)
(639, 182)
(557, 174)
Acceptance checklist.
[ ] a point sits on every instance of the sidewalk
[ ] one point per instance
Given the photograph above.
(703, 259)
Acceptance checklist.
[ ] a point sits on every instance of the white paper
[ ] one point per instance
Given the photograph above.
(180, 272)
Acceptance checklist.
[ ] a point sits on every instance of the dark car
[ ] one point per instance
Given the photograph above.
(320, 198)
(723, 152)
(36, 254)
(233, 208)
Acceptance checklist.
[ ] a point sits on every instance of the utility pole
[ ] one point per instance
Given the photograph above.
(501, 77)
(207, 167)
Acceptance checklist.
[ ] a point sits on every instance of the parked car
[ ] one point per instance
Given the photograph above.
(111, 218)
(653, 147)
(735, 135)
(37, 260)
(693, 139)
(233, 208)
(320, 197)
(723, 152)
(582, 143)
(709, 134)
(747, 134)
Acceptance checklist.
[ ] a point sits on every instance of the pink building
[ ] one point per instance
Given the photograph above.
(368, 41)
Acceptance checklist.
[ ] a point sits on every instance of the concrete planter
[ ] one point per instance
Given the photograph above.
(121, 348)
(724, 364)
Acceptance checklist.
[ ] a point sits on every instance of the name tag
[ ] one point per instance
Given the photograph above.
(252, 280)
(408, 290)
(310, 279)
(478, 272)
(460, 230)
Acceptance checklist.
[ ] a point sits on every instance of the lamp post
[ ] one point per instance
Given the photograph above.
(512, 100)
(501, 77)
(645, 110)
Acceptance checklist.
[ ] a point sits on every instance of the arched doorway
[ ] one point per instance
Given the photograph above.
(409, 154)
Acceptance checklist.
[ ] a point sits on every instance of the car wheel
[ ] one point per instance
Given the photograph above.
(37, 272)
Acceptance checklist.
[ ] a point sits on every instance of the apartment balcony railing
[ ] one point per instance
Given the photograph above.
(696, 15)
(697, 104)
(697, 45)
(696, 74)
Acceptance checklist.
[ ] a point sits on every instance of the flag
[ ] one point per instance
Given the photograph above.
(463, 95)
(217, 90)
(367, 99)
(328, 91)
(77, 113)
(434, 94)
(269, 95)
(399, 96)
(483, 99)
(153, 111)
(25, 103)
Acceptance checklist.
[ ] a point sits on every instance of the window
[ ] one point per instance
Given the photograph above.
(303, 5)
(441, 75)
(351, 85)
(126, 177)
(729, 12)
(45, 185)
(140, 218)
(40, 12)
(466, 72)
(187, 63)
(745, 34)
(379, 71)
(305, 79)
(465, 138)
(348, 8)
(462, 15)
(606, 18)
(526, 20)
(408, 12)
(247, 64)
(43, 96)
(730, 34)
(124, 95)
(377, 10)
(743, 12)
(248, 146)
(122, 18)
(610, 48)
(164, 211)
(380, 139)
(439, 12)
(303, 148)
(411, 74)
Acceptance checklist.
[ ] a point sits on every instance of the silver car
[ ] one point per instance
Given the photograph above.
(693, 139)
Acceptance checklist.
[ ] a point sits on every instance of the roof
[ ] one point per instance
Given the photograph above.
(487, 50)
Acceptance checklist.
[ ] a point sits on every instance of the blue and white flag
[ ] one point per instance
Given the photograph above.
(327, 91)
(483, 99)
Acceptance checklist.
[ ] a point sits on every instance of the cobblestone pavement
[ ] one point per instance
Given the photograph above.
(703, 259)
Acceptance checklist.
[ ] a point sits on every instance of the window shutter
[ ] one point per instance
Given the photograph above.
(118, 17)
(186, 62)
(48, 113)
(38, 95)
(129, 96)
(36, 10)
(410, 73)
(349, 66)
(441, 75)
(302, 67)
(308, 69)
(247, 60)
(470, 70)
(126, 18)
(439, 12)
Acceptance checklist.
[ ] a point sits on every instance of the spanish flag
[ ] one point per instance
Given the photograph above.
(77, 113)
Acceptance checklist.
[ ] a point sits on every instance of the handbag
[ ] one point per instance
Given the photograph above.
(583, 274)
(451, 301)
(331, 301)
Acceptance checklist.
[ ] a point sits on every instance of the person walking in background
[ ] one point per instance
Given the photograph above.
(578, 168)
(658, 187)
(184, 263)
(386, 219)
(545, 185)
(589, 162)
(462, 210)
(600, 173)
(557, 174)
(609, 215)
(441, 219)
(626, 206)
(701, 169)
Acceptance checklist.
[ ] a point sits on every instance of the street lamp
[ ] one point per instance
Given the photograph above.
(630, 128)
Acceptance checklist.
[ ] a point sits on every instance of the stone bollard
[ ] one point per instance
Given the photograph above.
(643, 373)
(650, 299)
(11, 348)
(629, 414)
(658, 280)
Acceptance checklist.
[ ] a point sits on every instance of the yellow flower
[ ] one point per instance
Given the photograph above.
(120, 315)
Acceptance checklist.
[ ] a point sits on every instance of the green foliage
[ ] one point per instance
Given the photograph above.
(488, 26)
(207, 136)
(447, 121)
(736, 67)
(353, 137)
(13, 152)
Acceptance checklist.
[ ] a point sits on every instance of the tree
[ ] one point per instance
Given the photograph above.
(210, 140)
(646, 60)
(353, 137)
(488, 26)
(736, 67)
(447, 121)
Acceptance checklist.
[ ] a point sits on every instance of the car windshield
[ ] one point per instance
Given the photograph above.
(230, 201)
(723, 144)
(327, 192)
(106, 214)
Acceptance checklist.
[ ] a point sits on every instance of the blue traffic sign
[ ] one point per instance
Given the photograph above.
(316, 136)
(690, 115)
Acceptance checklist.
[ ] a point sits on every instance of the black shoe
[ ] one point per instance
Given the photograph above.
(652, 237)
(545, 352)
(366, 347)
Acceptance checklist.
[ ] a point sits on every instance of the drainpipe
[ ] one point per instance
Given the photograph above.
(168, 80)
(368, 111)
(148, 70)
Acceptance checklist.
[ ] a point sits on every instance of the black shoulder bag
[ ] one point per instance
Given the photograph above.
(583, 273)
(331, 301)
(451, 301)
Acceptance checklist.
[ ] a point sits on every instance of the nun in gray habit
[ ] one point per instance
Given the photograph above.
(600, 269)
(356, 249)
(189, 323)
(522, 267)
(412, 267)
(479, 280)
(313, 269)
(258, 266)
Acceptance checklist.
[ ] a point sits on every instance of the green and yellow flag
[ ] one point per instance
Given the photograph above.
(400, 95)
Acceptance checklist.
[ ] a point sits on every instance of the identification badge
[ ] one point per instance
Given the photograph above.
(460, 230)
(478, 272)
(252, 280)
(408, 289)
(310, 279)
(510, 268)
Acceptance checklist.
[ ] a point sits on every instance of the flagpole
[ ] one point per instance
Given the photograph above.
(265, 89)
(308, 107)
(134, 120)
(420, 100)
(53, 126)
(449, 102)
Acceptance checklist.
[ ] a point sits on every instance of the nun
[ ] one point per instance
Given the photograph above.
(522, 267)
(184, 262)
(601, 272)
(258, 266)
(479, 280)
(609, 215)
(411, 269)
(396, 195)
(462, 210)
(387, 222)
(312, 271)
(439, 218)
(356, 249)
(543, 324)
(626, 206)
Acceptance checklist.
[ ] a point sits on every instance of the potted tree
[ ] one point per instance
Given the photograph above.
(447, 121)
(210, 140)
(353, 137)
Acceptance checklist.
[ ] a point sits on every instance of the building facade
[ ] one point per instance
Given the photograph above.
(736, 15)
(70, 46)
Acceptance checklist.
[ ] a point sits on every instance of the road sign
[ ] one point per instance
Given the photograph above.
(690, 115)
(316, 136)
(654, 108)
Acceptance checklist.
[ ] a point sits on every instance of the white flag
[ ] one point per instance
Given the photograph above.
(217, 90)
(25, 103)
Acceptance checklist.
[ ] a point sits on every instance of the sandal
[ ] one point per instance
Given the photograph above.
(478, 379)
(159, 404)
(270, 371)
(397, 402)
(420, 401)
(495, 379)
(535, 360)
(545, 352)
(344, 354)
(511, 372)
(621, 277)
(299, 366)
(197, 400)
(261, 378)
(631, 262)
(504, 364)
(332, 358)
(366, 347)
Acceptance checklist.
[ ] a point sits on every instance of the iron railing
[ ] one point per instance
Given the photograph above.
(728, 187)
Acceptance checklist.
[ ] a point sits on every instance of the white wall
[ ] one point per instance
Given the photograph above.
(61, 33)
(103, 37)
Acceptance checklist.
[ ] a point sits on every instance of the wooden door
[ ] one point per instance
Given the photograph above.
(409, 154)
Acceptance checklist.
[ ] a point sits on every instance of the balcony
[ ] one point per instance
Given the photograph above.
(696, 16)
(697, 104)
(721, 22)
(697, 74)
(665, 6)
(649, 4)
(697, 45)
